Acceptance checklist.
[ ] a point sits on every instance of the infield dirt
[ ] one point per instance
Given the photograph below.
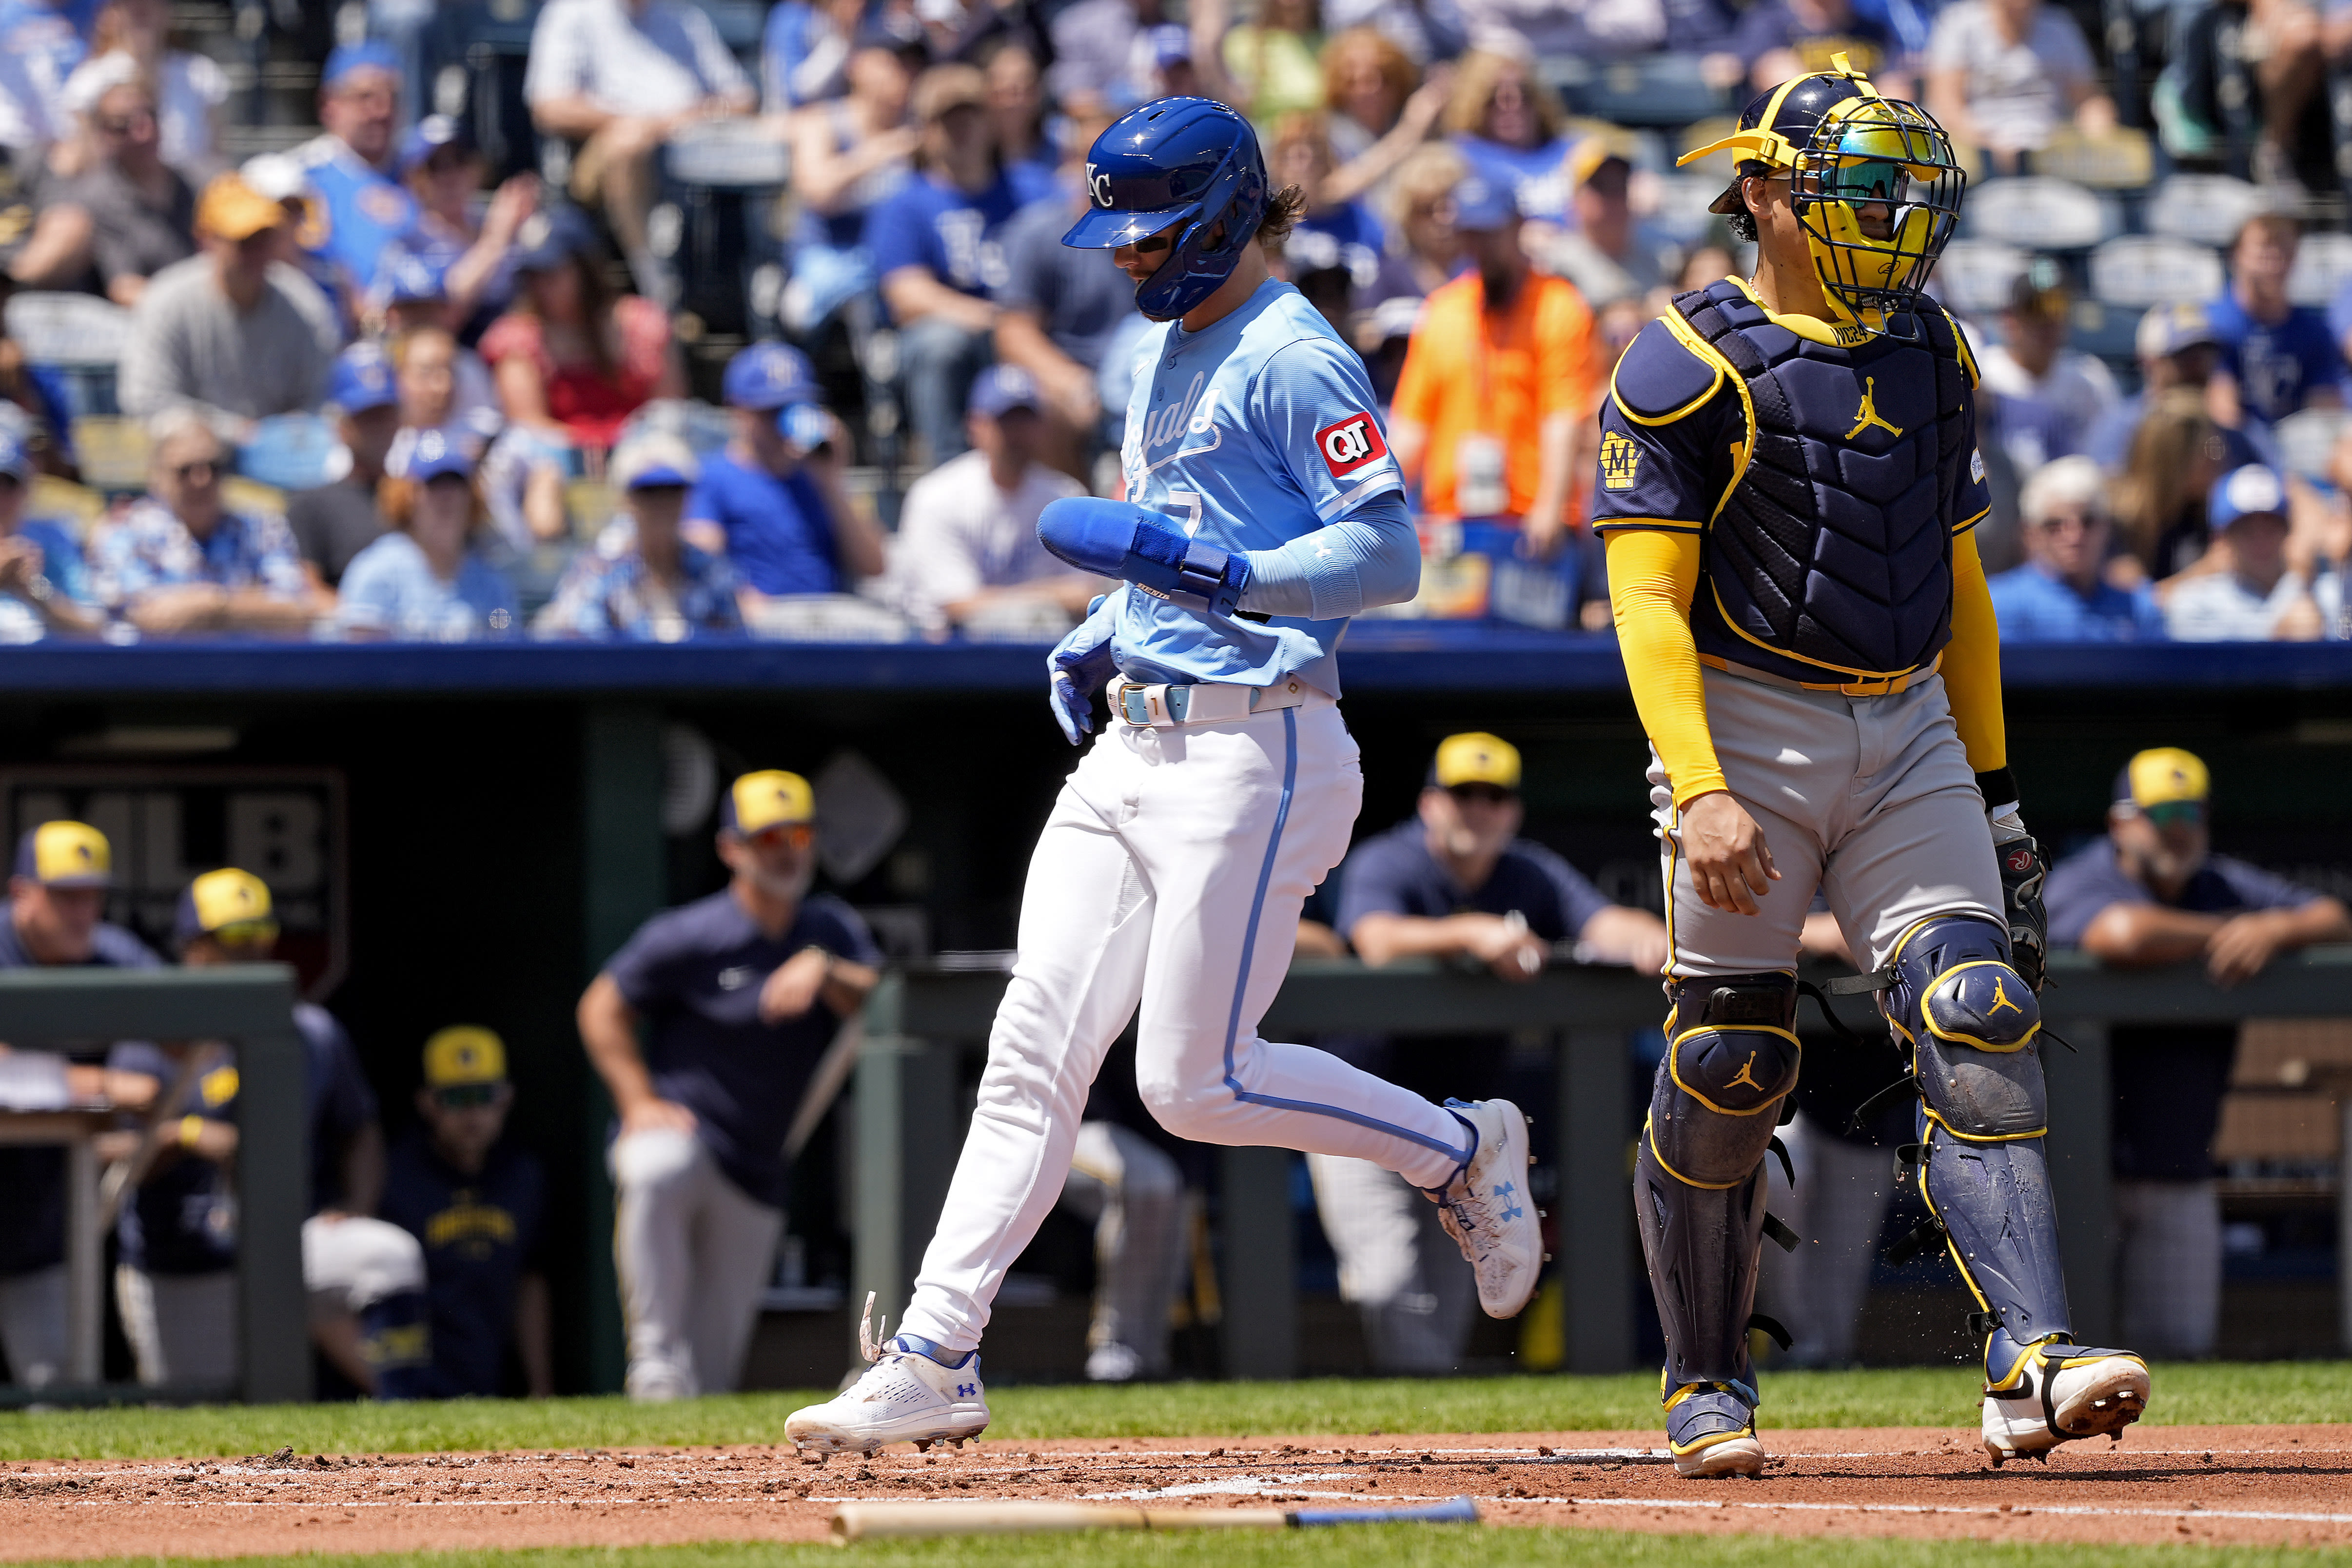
(2250, 1484)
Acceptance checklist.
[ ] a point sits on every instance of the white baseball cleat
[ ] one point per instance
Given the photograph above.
(1485, 1208)
(906, 1397)
(2058, 1392)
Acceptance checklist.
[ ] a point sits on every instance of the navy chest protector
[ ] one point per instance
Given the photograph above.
(1834, 548)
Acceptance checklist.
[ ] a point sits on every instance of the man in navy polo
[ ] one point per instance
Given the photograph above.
(2152, 891)
(736, 997)
(772, 501)
(54, 901)
(1453, 881)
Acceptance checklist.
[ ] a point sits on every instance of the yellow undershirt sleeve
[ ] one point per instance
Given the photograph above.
(1971, 660)
(1652, 578)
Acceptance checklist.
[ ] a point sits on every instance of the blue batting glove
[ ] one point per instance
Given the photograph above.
(1117, 539)
(1075, 670)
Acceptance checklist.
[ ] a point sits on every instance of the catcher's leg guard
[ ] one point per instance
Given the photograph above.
(1973, 1025)
(1698, 1179)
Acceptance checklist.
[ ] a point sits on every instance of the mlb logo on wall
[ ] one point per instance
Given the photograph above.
(1351, 443)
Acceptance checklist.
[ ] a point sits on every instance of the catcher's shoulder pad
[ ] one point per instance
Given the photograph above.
(1662, 378)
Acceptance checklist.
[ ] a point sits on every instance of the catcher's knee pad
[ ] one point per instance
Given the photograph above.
(1971, 1023)
(1732, 1058)
(1703, 1246)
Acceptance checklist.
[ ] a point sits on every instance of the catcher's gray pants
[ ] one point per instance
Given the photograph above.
(1404, 1273)
(32, 1325)
(693, 1253)
(1135, 1195)
(1871, 799)
(2170, 1287)
(182, 1328)
(1837, 1207)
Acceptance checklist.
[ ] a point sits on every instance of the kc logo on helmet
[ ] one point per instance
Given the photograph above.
(1100, 183)
(1351, 443)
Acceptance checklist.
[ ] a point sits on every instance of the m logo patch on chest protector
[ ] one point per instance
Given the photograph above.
(1620, 458)
(1351, 443)
(1867, 416)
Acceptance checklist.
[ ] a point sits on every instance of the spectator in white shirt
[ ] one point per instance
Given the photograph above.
(2245, 591)
(967, 552)
(621, 76)
(2051, 396)
(2004, 75)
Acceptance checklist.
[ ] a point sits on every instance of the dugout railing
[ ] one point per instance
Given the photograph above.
(81, 1011)
(923, 1018)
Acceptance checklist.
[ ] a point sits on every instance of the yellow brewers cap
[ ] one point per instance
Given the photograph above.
(2162, 775)
(463, 1055)
(1476, 758)
(225, 898)
(66, 855)
(757, 802)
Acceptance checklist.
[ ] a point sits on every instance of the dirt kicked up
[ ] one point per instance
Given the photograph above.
(2237, 1485)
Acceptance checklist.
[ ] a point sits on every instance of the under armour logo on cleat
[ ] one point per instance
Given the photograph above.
(1514, 1212)
(966, 1390)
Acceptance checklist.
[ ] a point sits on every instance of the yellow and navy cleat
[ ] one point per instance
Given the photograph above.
(1711, 1431)
(2056, 1392)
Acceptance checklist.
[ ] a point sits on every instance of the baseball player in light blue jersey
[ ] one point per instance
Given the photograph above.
(1263, 511)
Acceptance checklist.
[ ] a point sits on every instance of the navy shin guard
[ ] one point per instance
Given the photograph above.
(1698, 1178)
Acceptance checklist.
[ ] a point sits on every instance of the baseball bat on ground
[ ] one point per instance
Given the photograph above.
(908, 1521)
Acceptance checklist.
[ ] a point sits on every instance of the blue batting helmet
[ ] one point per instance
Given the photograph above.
(1175, 161)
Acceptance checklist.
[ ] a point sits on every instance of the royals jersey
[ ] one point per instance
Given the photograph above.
(1249, 434)
(1826, 474)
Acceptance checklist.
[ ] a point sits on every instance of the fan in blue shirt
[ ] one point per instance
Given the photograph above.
(2059, 594)
(771, 501)
(938, 254)
(2281, 355)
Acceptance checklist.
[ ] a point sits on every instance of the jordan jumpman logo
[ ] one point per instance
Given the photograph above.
(1747, 1075)
(1868, 415)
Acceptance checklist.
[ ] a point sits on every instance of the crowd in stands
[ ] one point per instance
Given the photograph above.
(374, 387)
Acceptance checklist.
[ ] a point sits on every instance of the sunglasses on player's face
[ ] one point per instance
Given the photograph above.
(1152, 245)
(2174, 813)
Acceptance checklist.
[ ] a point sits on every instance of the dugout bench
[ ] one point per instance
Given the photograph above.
(922, 1017)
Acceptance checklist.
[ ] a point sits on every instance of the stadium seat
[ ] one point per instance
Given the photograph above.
(1681, 203)
(2120, 159)
(2141, 271)
(112, 453)
(2323, 264)
(1975, 275)
(739, 23)
(2207, 208)
(2040, 214)
(727, 156)
(1649, 90)
(2106, 332)
(2308, 440)
(67, 328)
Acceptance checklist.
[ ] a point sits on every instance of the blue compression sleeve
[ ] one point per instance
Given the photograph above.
(1369, 558)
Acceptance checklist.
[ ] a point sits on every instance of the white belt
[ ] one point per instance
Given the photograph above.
(1164, 707)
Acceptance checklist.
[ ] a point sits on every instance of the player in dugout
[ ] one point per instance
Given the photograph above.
(2152, 891)
(1452, 881)
(1790, 484)
(475, 1204)
(736, 997)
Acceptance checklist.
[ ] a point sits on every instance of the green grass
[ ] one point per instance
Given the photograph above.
(2242, 1394)
(1371, 1546)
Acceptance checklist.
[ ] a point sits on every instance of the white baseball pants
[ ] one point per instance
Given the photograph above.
(181, 1327)
(2169, 1285)
(1134, 1196)
(1398, 1268)
(1170, 877)
(694, 1252)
